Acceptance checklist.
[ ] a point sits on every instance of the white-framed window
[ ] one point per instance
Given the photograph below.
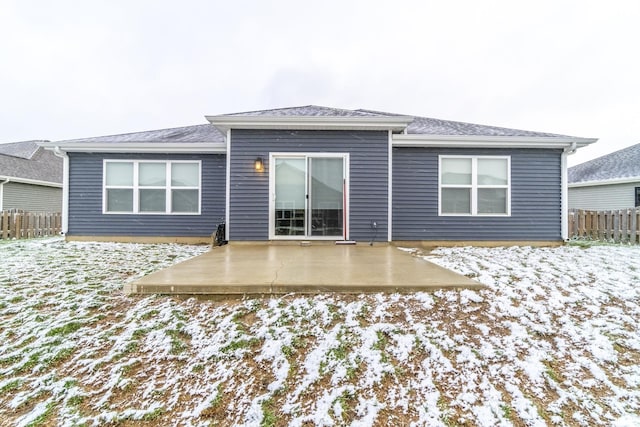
(474, 185)
(151, 187)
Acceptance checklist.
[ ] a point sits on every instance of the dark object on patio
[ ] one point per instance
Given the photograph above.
(218, 238)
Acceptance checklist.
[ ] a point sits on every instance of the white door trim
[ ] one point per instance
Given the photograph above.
(272, 192)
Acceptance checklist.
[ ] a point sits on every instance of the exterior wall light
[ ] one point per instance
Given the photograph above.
(258, 165)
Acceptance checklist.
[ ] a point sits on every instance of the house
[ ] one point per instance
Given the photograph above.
(30, 177)
(317, 173)
(608, 182)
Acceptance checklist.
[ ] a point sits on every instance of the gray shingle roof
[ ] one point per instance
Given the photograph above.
(620, 164)
(209, 133)
(428, 126)
(195, 133)
(311, 111)
(23, 150)
(27, 160)
(419, 125)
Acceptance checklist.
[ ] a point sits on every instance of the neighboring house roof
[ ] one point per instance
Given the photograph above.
(208, 138)
(27, 162)
(23, 150)
(619, 166)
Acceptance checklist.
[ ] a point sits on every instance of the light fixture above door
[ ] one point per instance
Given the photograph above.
(258, 165)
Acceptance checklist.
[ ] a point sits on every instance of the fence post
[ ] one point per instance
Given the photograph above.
(17, 228)
(580, 223)
(626, 232)
(5, 224)
(570, 224)
(633, 236)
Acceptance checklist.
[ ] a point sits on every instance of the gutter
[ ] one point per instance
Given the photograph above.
(138, 147)
(65, 187)
(572, 148)
(30, 181)
(613, 181)
(470, 141)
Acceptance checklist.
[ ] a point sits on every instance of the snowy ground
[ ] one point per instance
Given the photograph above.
(555, 340)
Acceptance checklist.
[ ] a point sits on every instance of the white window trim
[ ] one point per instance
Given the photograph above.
(136, 188)
(474, 185)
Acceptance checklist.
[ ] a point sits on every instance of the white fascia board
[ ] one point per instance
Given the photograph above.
(30, 181)
(470, 141)
(139, 147)
(394, 123)
(627, 180)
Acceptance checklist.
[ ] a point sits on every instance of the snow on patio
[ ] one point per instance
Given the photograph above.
(555, 340)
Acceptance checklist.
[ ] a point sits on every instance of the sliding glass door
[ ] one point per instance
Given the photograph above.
(290, 195)
(308, 196)
(326, 196)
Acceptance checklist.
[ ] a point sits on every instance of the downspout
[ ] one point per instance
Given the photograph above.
(390, 185)
(564, 199)
(65, 187)
(227, 190)
(6, 181)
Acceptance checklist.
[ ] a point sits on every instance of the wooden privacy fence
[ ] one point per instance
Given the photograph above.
(17, 224)
(620, 226)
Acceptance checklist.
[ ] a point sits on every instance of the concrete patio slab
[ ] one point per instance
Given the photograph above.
(282, 269)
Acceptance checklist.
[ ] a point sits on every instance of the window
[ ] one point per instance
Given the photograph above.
(475, 185)
(637, 197)
(151, 187)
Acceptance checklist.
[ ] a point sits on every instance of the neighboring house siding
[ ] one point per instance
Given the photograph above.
(603, 197)
(85, 199)
(33, 198)
(535, 198)
(249, 198)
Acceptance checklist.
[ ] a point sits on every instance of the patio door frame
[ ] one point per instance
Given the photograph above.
(272, 194)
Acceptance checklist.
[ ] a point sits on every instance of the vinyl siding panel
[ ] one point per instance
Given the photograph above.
(368, 177)
(32, 198)
(85, 199)
(603, 197)
(535, 198)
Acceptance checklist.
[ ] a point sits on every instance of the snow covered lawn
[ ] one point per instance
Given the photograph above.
(555, 340)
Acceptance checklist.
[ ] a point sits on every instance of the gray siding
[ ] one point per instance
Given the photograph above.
(32, 198)
(85, 199)
(603, 197)
(249, 198)
(535, 198)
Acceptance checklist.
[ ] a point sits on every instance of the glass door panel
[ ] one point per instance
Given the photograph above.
(326, 194)
(290, 196)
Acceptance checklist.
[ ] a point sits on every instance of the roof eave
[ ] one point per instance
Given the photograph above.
(394, 123)
(613, 181)
(467, 141)
(138, 147)
(30, 181)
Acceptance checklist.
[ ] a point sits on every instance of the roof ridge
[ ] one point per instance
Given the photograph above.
(272, 109)
(386, 113)
(295, 107)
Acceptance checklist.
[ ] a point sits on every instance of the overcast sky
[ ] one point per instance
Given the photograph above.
(71, 69)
